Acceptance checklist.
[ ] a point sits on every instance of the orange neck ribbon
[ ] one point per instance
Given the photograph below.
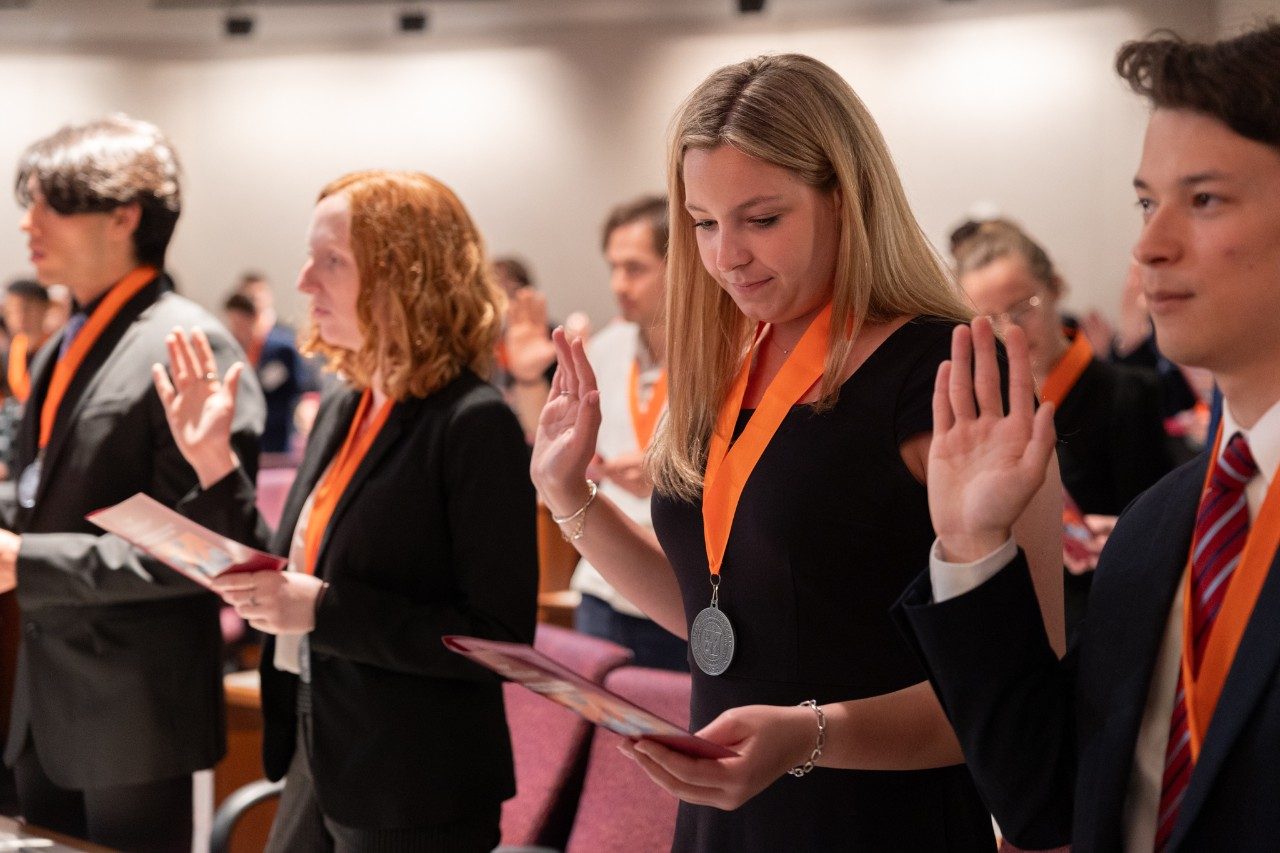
(645, 419)
(1245, 584)
(339, 475)
(1067, 371)
(65, 370)
(729, 468)
(19, 377)
(254, 355)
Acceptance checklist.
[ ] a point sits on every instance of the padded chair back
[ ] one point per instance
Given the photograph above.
(620, 807)
(550, 742)
(273, 488)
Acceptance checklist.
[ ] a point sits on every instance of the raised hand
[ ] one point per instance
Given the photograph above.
(984, 466)
(198, 405)
(629, 471)
(529, 348)
(565, 441)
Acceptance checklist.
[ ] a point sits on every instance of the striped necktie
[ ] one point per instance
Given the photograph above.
(1222, 527)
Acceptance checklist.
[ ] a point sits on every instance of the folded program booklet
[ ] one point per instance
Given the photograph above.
(179, 542)
(530, 668)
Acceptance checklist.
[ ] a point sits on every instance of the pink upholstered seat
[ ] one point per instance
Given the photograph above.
(273, 487)
(620, 808)
(550, 742)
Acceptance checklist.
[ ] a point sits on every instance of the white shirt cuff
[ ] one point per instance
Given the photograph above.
(950, 580)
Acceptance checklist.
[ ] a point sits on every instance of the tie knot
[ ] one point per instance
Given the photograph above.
(1236, 465)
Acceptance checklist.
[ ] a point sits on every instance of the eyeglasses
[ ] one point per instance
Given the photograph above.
(1016, 313)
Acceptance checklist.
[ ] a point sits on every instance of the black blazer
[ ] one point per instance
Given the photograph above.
(1051, 743)
(434, 535)
(119, 667)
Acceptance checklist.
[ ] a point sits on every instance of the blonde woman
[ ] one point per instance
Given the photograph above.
(411, 517)
(807, 316)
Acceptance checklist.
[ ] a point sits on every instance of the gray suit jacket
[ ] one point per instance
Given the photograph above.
(118, 678)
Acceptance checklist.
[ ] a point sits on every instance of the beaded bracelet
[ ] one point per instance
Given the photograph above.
(801, 769)
(580, 516)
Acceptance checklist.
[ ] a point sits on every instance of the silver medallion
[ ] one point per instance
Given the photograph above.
(711, 637)
(29, 484)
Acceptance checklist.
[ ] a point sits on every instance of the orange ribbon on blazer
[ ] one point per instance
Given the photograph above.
(1065, 374)
(644, 420)
(728, 468)
(65, 370)
(338, 477)
(1205, 686)
(19, 375)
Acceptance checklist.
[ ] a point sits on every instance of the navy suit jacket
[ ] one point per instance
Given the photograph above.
(1051, 743)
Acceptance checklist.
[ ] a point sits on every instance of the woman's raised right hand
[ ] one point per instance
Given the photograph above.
(198, 406)
(565, 441)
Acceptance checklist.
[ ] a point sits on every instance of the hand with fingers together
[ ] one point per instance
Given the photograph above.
(198, 405)
(769, 740)
(565, 441)
(984, 466)
(273, 602)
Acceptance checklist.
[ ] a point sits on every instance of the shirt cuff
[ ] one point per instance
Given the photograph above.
(950, 580)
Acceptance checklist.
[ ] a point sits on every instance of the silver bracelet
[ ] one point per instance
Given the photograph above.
(801, 769)
(580, 516)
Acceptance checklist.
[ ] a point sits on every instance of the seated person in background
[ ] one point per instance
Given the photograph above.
(26, 305)
(1160, 730)
(1111, 440)
(628, 357)
(273, 353)
(412, 516)
(118, 693)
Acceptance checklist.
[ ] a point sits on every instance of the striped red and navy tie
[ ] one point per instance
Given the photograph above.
(1222, 526)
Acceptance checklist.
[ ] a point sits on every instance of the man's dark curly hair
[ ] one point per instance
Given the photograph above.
(1236, 81)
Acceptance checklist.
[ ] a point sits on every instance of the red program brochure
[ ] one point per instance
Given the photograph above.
(1077, 536)
(179, 542)
(530, 668)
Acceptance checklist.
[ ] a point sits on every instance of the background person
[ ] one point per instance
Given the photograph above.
(627, 357)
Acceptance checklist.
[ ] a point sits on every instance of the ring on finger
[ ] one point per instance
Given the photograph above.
(211, 377)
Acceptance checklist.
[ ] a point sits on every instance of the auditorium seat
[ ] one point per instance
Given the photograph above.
(620, 807)
(273, 487)
(551, 742)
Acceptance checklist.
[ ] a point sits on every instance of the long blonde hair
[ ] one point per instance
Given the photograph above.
(795, 112)
(427, 305)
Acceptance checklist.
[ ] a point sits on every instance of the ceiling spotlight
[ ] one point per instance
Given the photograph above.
(238, 26)
(413, 22)
(750, 7)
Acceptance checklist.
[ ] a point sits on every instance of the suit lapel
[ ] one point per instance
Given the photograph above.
(385, 440)
(1129, 606)
(1251, 671)
(93, 369)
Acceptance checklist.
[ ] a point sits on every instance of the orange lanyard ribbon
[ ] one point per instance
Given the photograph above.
(1204, 687)
(19, 376)
(644, 420)
(65, 370)
(1065, 374)
(339, 475)
(729, 468)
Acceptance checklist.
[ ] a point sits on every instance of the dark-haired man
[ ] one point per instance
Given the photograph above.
(117, 698)
(628, 357)
(1160, 730)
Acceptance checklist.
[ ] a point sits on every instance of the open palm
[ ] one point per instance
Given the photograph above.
(198, 406)
(565, 441)
(984, 466)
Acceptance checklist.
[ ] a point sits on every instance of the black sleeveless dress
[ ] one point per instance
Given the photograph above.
(830, 529)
